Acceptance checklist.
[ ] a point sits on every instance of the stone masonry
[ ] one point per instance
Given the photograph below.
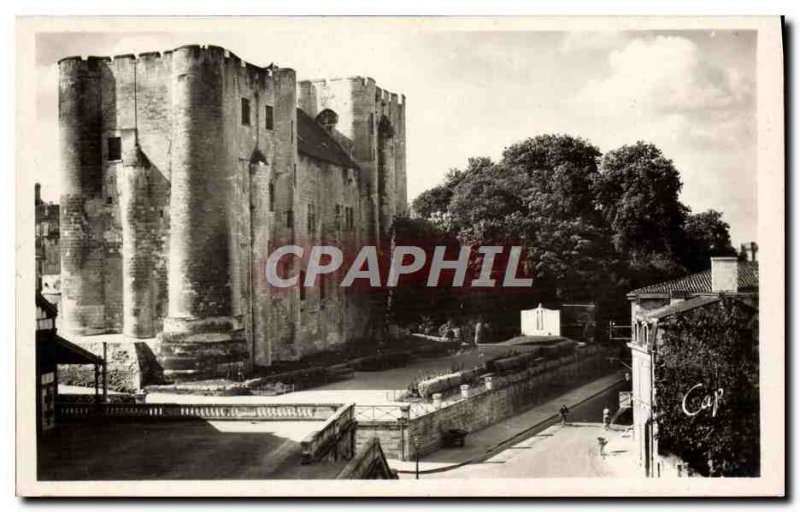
(182, 170)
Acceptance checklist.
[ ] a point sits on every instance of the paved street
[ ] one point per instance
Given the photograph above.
(547, 450)
(556, 452)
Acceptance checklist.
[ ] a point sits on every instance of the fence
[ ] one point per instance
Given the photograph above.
(380, 413)
(619, 332)
(271, 412)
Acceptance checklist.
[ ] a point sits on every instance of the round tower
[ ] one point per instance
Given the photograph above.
(138, 225)
(201, 337)
(81, 222)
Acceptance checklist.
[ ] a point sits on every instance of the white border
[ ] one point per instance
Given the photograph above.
(771, 236)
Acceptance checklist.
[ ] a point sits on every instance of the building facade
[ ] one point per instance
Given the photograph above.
(652, 308)
(183, 170)
(48, 259)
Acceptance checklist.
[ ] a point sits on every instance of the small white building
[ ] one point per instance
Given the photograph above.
(540, 322)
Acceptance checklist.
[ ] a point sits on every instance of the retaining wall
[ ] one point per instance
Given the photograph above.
(510, 395)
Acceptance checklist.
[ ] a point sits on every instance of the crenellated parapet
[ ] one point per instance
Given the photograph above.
(374, 119)
(182, 170)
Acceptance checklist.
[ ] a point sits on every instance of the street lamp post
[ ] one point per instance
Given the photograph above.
(416, 456)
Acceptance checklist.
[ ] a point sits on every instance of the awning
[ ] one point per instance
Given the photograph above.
(54, 348)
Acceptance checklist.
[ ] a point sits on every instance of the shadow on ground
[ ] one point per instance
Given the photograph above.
(177, 450)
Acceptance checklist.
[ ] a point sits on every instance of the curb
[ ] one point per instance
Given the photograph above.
(502, 445)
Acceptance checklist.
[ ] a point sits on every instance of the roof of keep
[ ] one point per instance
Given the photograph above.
(314, 141)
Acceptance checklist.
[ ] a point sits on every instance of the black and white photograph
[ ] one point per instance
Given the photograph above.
(462, 256)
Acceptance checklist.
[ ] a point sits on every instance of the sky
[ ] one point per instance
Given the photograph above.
(473, 93)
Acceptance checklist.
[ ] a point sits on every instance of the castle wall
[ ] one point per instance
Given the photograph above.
(361, 106)
(328, 315)
(170, 238)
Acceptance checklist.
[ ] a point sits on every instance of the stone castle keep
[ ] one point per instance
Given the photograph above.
(183, 170)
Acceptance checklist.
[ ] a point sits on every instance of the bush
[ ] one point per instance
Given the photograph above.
(518, 362)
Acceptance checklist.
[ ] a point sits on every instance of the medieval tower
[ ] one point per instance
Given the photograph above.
(182, 170)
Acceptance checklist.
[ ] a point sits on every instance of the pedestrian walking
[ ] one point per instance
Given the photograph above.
(601, 441)
(606, 418)
(563, 412)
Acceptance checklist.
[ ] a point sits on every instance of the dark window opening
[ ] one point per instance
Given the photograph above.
(272, 197)
(110, 200)
(312, 217)
(348, 218)
(114, 148)
(245, 111)
(268, 120)
(289, 219)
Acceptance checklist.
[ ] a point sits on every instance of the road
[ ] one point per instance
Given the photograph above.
(553, 451)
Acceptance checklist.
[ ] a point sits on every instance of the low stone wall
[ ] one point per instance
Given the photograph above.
(131, 365)
(334, 440)
(509, 395)
(368, 463)
(390, 435)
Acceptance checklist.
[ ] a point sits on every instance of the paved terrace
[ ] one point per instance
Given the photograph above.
(365, 388)
(179, 450)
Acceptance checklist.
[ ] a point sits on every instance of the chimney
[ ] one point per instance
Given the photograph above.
(749, 252)
(752, 252)
(724, 274)
(38, 194)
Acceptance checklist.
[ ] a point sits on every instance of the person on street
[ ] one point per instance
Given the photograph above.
(606, 418)
(602, 442)
(563, 412)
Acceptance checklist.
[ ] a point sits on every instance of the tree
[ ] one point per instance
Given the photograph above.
(715, 347)
(637, 192)
(434, 203)
(414, 299)
(706, 235)
(567, 244)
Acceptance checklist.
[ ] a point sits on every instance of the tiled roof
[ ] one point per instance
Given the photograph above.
(701, 282)
(314, 141)
(680, 307)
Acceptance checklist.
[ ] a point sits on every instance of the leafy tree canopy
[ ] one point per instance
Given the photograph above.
(595, 226)
(706, 235)
(637, 191)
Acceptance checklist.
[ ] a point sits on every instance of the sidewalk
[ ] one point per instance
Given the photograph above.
(620, 460)
(489, 441)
